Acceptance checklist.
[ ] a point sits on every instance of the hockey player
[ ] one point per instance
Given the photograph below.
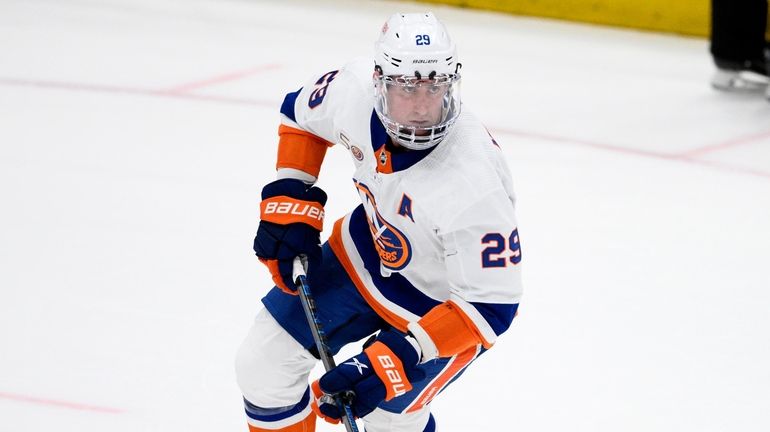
(428, 263)
(738, 45)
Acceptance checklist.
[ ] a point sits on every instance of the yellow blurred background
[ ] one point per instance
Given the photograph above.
(685, 17)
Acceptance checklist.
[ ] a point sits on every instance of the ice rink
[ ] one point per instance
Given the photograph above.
(135, 137)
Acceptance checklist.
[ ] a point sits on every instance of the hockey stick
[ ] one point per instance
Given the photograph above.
(311, 314)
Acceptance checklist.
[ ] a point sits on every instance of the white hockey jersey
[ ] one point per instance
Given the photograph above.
(436, 229)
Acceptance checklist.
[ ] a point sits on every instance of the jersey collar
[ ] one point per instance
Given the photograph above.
(389, 158)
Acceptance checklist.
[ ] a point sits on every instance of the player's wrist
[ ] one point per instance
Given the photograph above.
(424, 344)
(292, 173)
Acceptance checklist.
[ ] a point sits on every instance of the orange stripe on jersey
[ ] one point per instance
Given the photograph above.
(451, 329)
(389, 369)
(285, 210)
(300, 150)
(440, 381)
(305, 425)
(335, 241)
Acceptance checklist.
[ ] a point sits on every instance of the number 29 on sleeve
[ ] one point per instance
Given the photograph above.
(494, 256)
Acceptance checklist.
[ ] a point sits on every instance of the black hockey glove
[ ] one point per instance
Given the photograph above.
(292, 216)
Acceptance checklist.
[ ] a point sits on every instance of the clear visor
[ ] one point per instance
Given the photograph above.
(417, 111)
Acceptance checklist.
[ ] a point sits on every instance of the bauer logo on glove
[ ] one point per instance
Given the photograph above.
(285, 210)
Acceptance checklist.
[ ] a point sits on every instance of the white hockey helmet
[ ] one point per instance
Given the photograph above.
(415, 57)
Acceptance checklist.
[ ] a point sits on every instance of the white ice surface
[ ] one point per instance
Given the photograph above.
(135, 137)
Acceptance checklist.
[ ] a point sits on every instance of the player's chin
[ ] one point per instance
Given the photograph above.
(419, 128)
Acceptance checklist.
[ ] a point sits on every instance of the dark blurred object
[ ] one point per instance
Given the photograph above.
(738, 46)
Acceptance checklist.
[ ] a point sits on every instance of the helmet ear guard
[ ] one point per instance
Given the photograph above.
(415, 50)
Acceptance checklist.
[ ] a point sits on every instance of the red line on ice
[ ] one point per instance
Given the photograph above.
(585, 143)
(59, 403)
(98, 88)
(232, 76)
(727, 144)
(681, 157)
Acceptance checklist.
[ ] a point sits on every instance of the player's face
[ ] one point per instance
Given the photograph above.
(418, 103)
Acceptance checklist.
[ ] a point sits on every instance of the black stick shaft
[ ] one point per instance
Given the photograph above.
(311, 314)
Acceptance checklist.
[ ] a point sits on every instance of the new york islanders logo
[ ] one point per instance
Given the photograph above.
(357, 153)
(391, 244)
